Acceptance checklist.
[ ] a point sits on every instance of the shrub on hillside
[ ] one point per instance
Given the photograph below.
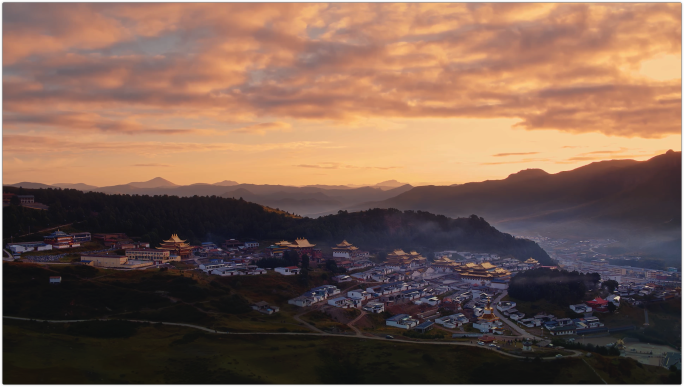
(233, 304)
(113, 329)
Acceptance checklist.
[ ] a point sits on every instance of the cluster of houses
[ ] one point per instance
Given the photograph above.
(657, 292)
(231, 247)
(564, 326)
(230, 268)
(318, 294)
(57, 240)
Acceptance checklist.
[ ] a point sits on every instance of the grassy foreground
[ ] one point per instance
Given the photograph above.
(39, 353)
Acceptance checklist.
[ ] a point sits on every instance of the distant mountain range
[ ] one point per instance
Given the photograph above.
(625, 199)
(311, 200)
(634, 201)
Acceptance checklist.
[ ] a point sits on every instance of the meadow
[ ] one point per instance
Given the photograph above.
(155, 353)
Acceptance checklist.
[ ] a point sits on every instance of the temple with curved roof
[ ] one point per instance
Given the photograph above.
(348, 251)
(177, 245)
(399, 258)
(300, 245)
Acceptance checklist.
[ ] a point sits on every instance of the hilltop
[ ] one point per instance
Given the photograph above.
(214, 218)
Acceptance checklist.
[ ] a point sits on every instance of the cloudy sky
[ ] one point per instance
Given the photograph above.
(299, 94)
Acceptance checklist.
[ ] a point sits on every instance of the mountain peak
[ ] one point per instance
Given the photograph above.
(154, 183)
(390, 183)
(226, 183)
(525, 174)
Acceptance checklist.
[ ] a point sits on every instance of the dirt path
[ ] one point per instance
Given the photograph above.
(352, 322)
(306, 324)
(592, 368)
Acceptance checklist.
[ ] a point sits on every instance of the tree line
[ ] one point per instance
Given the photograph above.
(213, 218)
(560, 287)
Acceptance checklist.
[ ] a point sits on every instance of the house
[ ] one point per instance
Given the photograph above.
(527, 346)
(55, 280)
(410, 294)
(592, 322)
(503, 306)
(562, 331)
(487, 339)
(564, 322)
(290, 270)
(598, 304)
(531, 322)
(360, 294)
(517, 316)
(226, 271)
(403, 321)
(615, 299)
(264, 307)
(424, 327)
(580, 308)
(251, 244)
(301, 301)
(374, 307)
(452, 321)
(342, 278)
(432, 301)
(343, 302)
(498, 283)
(256, 271)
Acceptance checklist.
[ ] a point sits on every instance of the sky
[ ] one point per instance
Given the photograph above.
(316, 93)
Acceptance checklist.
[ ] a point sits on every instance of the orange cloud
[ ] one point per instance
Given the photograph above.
(340, 166)
(516, 162)
(566, 67)
(262, 128)
(25, 144)
(515, 154)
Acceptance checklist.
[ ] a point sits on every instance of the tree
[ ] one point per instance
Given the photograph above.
(611, 285)
(331, 266)
(305, 261)
(611, 307)
(291, 257)
(304, 277)
(14, 201)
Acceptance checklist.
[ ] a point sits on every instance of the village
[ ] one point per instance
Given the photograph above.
(458, 292)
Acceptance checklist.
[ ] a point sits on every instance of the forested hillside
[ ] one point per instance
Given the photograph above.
(153, 218)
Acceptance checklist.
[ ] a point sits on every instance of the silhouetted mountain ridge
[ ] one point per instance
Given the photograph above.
(618, 198)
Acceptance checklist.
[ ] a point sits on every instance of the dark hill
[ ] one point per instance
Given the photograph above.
(620, 194)
(214, 218)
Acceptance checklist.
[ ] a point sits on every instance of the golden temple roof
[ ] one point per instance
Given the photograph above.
(488, 314)
(344, 244)
(175, 239)
(301, 242)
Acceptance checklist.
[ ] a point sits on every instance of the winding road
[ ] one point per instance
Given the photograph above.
(510, 323)
(208, 330)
